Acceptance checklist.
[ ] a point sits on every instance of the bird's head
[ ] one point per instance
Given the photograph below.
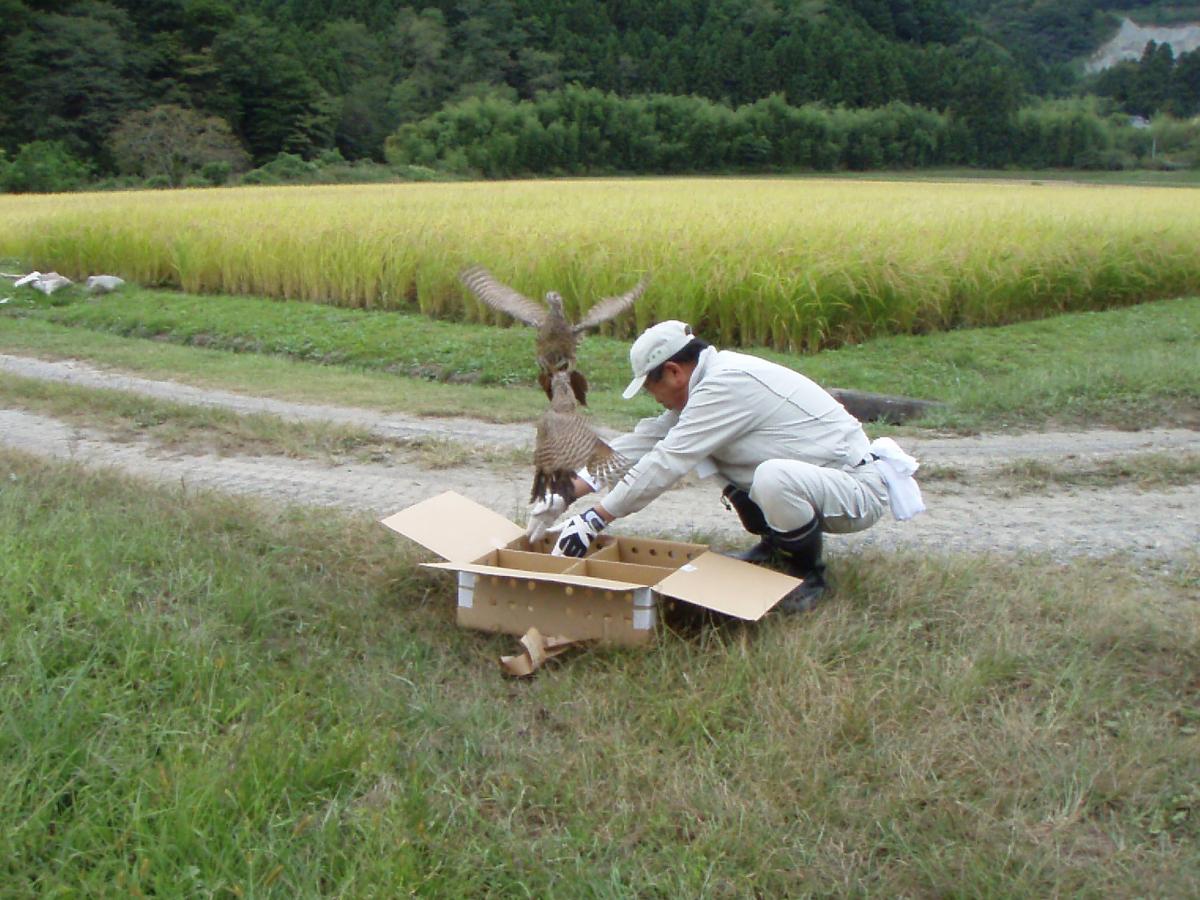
(561, 393)
(554, 300)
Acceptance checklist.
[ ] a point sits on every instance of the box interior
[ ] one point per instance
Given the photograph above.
(642, 561)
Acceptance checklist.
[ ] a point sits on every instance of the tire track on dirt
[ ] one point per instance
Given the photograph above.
(968, 453)
(1149, 524)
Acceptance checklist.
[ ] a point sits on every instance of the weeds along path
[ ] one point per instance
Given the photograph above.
(966, 513)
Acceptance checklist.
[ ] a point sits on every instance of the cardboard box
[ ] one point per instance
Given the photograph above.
(613, 594)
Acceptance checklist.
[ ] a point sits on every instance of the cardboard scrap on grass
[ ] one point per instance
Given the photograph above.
(613, 594)
(537, 650)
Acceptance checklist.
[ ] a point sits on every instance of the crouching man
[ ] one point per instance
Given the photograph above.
(795, 463)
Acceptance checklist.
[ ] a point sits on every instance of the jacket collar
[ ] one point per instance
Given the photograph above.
(703, 365)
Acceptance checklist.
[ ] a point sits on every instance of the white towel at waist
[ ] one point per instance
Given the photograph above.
(897, 469)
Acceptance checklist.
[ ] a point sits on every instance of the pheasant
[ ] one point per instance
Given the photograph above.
(566, 443)
(557, 337)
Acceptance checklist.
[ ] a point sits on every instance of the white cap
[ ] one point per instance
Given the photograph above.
(657, 344)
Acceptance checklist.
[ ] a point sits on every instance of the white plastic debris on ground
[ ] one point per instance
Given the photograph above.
(103, 284)
(47, 282)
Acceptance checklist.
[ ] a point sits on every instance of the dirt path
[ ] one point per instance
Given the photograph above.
(965, 514)
(389, 426)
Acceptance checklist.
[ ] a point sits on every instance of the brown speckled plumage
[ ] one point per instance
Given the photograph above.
(567, 443)
(557, 337)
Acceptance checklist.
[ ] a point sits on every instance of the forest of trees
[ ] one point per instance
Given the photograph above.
(195, 91)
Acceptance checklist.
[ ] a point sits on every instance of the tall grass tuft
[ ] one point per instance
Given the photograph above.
(793, 264)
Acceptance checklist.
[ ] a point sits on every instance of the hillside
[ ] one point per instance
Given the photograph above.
(302, 77)
(162, 91)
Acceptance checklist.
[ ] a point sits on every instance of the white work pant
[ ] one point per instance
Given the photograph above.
(790, 493)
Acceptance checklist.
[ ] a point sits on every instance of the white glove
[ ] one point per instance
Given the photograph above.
(542, 514)
(577, 534)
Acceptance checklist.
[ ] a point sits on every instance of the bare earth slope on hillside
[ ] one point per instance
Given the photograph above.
(1130, 42)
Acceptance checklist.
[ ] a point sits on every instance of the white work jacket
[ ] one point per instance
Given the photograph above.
(740, 412)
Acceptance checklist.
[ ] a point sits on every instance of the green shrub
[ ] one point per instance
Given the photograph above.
(289, 167)
(361, 171)
(173, 141)
(1057, 134)
(258, 177)
(117, 183)
(286, 167)
(331, 157)
(1111, 160)
(216, 173)
(417, 173)
(45, 167)
(579, 131)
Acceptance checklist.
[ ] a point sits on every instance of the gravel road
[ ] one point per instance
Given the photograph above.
(970, 513)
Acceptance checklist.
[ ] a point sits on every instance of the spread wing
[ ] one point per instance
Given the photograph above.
(607, 466)
(611, 307)
(480, 282)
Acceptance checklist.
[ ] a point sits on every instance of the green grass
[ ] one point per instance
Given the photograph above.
(1131, 367)
(1148, 471)
(1128, 368)
(174, 425)
(276, 376)
(409, 345)
(1143, 472)
(207, 696)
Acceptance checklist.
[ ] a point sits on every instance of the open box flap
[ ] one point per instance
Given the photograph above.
(605, 584)
(454, 527)
(727, 585)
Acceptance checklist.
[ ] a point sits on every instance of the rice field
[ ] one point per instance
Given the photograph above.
(795, 264)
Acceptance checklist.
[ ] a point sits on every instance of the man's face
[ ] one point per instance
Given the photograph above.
(671, 391)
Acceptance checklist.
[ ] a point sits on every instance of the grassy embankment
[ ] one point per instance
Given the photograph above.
(202, 695)
(1132, 367)
(787, 263)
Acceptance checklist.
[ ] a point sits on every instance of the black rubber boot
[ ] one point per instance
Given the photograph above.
(753, 521)
(800, 553)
